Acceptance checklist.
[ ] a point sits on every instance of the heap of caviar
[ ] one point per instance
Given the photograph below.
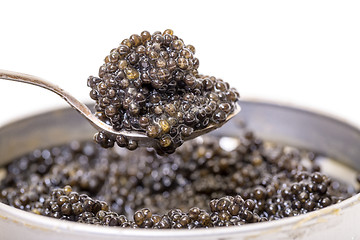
(201, 185)
(151, 84)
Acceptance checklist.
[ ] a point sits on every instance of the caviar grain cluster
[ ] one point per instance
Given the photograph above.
(201, 185)
(151, 84)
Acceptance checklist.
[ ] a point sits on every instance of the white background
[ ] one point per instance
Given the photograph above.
(305, 53)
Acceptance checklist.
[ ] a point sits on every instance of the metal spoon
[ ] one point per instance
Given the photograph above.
(141, 137)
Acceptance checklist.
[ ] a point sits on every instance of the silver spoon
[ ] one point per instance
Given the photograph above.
(141, 137)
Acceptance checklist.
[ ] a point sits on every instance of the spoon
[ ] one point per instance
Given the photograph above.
(141, 137)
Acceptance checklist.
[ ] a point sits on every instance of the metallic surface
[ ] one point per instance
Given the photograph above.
(293, 126)
(140, 137)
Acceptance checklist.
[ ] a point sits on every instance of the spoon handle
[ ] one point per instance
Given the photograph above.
(72, 101)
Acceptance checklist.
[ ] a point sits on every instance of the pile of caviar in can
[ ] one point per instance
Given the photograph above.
(201, 185)
(151, 84)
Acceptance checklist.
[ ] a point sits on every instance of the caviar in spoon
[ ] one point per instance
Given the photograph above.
(151, 84)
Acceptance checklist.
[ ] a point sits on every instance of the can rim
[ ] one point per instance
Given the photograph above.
(33, 221)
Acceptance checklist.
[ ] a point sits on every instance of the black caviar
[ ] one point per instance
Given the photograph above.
(201, 185)
(151, 84)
